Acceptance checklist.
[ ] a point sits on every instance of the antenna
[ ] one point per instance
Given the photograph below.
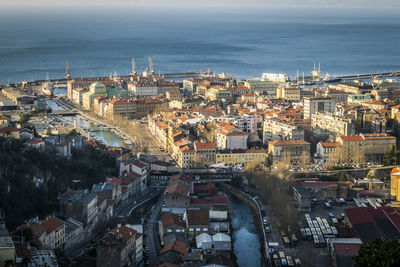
(133, 73)
(67, 74)
(151, 66)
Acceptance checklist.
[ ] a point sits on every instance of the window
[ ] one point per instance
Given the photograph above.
(198, 229)
(191, 229)
(169, 230)
(205, 229)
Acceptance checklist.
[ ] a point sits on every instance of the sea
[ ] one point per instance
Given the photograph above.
(241, 43)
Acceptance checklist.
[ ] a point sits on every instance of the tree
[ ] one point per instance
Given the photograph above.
(391, 157)
(380, 252)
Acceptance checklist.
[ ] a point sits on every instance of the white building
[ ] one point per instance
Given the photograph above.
(325, 150)
(229, 137)
(314, 105)
(332, 124)
(275, 77)
(275, 129)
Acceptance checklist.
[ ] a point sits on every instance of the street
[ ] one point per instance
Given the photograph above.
(152, 240)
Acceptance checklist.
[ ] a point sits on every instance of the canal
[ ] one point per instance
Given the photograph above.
(246, 241)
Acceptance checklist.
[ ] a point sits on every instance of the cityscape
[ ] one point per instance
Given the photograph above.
(179, 167)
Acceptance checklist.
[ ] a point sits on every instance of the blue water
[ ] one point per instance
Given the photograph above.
(246, 242)
(100, 43)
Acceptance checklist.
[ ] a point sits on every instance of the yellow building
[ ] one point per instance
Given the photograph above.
(395, 183)
(241, 156)
(292, 94)
(7, 249)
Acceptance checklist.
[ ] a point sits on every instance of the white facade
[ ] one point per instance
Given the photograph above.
(332, 124)
(276, 129)
(231, 140)
(314, 105)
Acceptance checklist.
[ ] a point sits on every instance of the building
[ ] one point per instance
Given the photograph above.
(326, 151)
(190, 85)
(370, 223)
(77, 94)
(150, 88)
(7, 248)
(365, 147)
(177, 195)
(289, 152)
(133, 108)
(80, 205)
(275, 77)
(314, 105)
(241, 156)
(332, 124)
(74, 233)
(395, 183)
(290, 94)
(85, 84)
(173, 95)
(99, 90)
(20, 99)
(215, 94)
(118, 247)
(229, 137)
(205, 153)
(171, 224)
(197, 221)
(50, 232)
(278, 129)
(264, 86)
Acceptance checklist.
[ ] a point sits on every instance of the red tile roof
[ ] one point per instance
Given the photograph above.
(346, 249)
(205, 145)
(46, 226)
(288, 142)
(170, 219)
(198, 217)
(352, 138)
(176, 246)
(123, 232)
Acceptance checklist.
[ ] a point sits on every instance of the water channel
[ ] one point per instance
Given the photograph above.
(246, 241)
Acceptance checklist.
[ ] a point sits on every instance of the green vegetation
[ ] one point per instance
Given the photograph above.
(391, 157)
(25, 117)
(31, 180)
(380, 252)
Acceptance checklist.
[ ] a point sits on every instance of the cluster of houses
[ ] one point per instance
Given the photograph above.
(232, 128)
(194, 228)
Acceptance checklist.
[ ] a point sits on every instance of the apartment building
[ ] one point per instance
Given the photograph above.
(314, 105)
(290, 94)
(275, 129)
(150, 88)
(289, 152)
(332, 124)
(229, 137)
(241, 156)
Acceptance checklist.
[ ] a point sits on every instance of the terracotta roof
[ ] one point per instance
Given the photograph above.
(219, 199)
(198, 217)
(115, 181)
(170, 219)
(205, 145)
(177, 189)
(139, 164)
(176, 246)
(352, 138)
(123, 232)
(330, 144)
(46, 226)
(288, 142)
(9, 129)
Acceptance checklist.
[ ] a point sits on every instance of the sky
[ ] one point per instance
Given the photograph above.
(366, 4)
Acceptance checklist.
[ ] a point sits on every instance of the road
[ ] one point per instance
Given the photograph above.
(152, 239)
